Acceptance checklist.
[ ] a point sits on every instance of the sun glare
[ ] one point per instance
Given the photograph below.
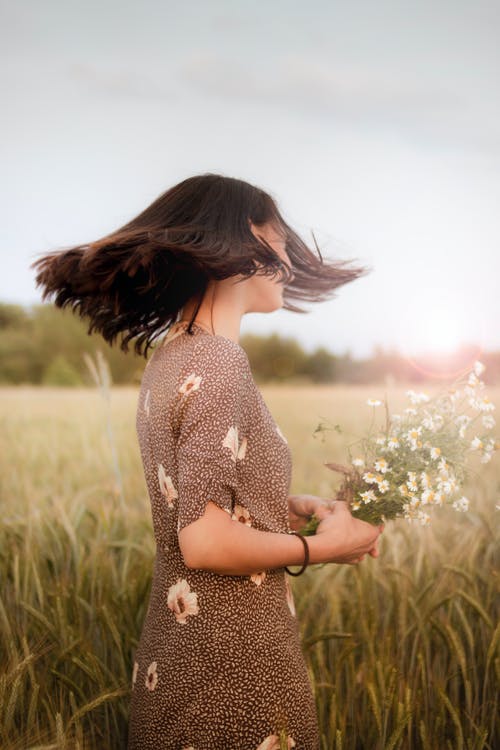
(442, 347)
(437, 335)
(442, 337)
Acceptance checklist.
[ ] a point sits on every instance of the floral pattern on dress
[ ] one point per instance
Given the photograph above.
(182, 601)
(167, 486)
(272, 742)
(192, 383)
(281, 434)
(134, 673)
(258, 578)
(146, 402)
(289, 596)
(152, 676)
(231, 441)
(241, 514)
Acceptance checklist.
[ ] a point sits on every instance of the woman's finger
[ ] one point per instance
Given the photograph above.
(322, 511)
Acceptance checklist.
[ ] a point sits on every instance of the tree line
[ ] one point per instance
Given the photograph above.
(43, 345)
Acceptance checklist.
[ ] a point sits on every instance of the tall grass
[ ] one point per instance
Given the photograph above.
(403, 650)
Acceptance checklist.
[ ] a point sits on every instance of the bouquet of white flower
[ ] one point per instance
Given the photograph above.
(418, 460)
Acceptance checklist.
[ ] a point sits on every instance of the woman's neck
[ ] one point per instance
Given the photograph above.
(217, 316)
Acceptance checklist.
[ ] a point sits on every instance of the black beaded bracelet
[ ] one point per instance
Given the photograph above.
(306, 555)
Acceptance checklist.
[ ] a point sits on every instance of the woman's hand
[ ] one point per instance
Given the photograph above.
(302, 507)
(341, 538)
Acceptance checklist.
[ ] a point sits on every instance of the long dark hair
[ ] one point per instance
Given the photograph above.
(136, 279)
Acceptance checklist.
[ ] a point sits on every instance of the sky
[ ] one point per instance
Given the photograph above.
(375, 126)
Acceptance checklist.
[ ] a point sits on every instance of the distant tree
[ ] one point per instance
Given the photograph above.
(60, 372)
(273, 357)
(44, 344)
(13, 316)
(320, 366)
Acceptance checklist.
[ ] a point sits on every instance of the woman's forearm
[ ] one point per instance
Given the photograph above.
(217, 543)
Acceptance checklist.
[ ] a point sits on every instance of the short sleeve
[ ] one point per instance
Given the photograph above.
(211, 440)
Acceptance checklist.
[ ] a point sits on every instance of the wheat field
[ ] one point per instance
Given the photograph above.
(402, 650)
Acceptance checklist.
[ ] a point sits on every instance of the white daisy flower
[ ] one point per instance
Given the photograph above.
(448, 486)
(425, 480)
(428, 496)
(358, 461)
(476, 444)
(485, 404)
(370, 477)
(428, 423)
(488, 421)
(435, 452)
(384, 485)
(462, 421)
(381, 465)
(423, 518)
(417, 398)
(443, 467)
(392, 442)
(438, 421)
(479, 368)
(368, 496)
(473, 380)
(462, 504)
(412, 437)
(374, 402)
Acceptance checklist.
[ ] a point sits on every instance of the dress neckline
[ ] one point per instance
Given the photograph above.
(181, 325)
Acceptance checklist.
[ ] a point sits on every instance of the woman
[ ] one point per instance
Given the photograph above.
(219, 664)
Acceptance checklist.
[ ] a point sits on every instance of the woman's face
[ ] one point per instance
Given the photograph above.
(265, 293)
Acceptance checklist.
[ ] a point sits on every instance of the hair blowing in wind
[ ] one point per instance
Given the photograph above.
(135, 280)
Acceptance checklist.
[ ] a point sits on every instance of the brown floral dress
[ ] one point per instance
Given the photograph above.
(219, 664)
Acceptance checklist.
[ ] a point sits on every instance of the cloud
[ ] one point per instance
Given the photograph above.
(119, 81)
(366, 98)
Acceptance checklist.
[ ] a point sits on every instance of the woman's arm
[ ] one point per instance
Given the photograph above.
(217, 543)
